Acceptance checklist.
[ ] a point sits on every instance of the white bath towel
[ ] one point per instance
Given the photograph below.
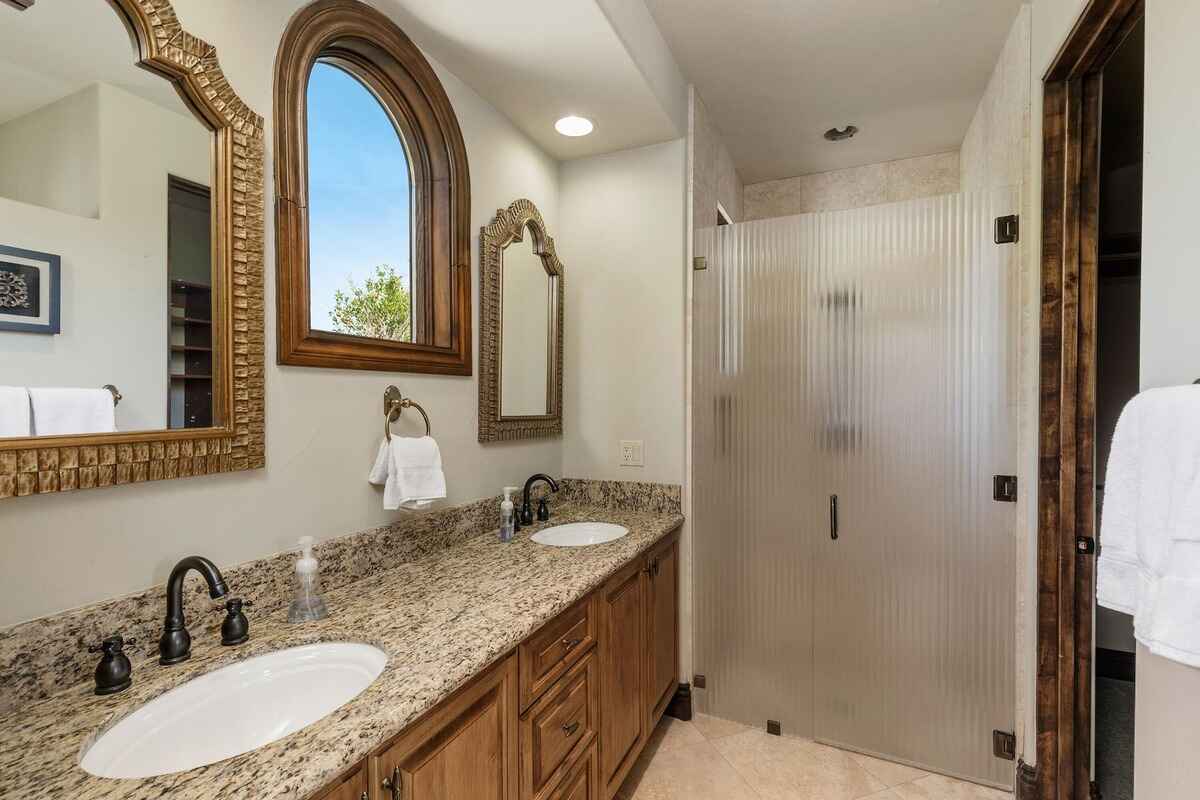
(1150, 535)
(58, 412)
(410, 471)
(15, 419)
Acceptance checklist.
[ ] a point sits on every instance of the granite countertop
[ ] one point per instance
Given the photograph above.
(441, 620)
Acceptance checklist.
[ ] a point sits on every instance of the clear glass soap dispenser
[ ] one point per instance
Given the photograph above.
(507, 515)
(307, 605)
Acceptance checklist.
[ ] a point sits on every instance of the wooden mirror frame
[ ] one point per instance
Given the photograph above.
(370, 46)
(509, 226)
(51, 464)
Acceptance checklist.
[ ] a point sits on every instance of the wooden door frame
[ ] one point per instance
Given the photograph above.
(1066, 448)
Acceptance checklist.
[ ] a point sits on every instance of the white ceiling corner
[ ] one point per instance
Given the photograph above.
(539, 60)
(776, 74)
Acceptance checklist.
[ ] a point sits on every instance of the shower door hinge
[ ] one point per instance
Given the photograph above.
(1004, 488)
(1008, 229)
(699, 263)
(1004, 745)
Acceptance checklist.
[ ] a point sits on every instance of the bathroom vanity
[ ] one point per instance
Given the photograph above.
(564, 716)
(515, 670)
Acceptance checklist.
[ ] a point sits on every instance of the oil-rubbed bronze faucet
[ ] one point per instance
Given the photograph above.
(543, 513)
(175, 645)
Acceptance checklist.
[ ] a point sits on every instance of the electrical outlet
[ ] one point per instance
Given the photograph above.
(631, 453)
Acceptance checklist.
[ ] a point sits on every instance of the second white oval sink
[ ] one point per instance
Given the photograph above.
(580, 534)
(235, 709)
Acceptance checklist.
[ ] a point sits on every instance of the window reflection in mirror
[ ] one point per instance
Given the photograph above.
(105, 171)
(525, 342)
(360, 217)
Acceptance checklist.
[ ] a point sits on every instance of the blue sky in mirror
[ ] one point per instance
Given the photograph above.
(359, 190)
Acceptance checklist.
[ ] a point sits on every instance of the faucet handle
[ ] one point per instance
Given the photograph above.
(236, 628)
(113, 673)
(111, 645)
(543, 512)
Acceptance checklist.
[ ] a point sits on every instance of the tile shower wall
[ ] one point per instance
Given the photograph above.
(856, 187)
(714, 178)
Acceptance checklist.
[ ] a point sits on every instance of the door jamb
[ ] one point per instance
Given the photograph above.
(1066, 447)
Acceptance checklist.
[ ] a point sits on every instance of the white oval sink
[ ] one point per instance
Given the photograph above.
(234, 710)
(580, 534)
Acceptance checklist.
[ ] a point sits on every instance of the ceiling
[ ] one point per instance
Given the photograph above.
(776, 74)
(54, 49)
(539, 60)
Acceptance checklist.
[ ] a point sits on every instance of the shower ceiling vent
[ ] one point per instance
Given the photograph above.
(841, 134)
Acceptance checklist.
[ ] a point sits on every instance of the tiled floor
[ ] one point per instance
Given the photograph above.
(712, 759)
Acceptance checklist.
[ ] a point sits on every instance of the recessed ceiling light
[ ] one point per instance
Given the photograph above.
(574, 126)
(841, 134)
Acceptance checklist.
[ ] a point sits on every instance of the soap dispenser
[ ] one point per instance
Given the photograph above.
(307, 605)
(508, 515)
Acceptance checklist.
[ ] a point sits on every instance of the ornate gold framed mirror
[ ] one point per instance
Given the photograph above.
(133, 248)
(521, 327)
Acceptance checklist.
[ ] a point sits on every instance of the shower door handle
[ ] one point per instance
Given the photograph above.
(833, 517)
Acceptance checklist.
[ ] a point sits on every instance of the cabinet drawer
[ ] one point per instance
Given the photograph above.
(547, 654)
(558, 728)
(582, 781)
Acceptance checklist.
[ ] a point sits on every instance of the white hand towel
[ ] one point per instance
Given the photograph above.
(410, 470)
(1149, 562)
(15, 419)
(59, 412)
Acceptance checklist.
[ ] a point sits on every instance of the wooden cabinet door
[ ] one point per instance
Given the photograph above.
(466, 749)
(621, 619)
(662, 629)
(352, 787)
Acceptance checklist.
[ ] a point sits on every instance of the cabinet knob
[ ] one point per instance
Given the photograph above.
(363, 796)
(569, 730)
(392, 784)
(569, 643)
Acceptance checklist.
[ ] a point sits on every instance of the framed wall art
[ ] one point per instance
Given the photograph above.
(30, 291)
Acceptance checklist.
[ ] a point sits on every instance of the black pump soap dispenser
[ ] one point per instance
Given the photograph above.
(114, 672)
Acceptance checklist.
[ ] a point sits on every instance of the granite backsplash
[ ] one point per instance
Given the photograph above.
(46, 655)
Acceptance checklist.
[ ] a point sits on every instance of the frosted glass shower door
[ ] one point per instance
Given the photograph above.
(867, 354)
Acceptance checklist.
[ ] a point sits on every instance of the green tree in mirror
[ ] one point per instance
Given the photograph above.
(380, 309)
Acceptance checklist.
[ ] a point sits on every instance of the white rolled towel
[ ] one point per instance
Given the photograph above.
(65, 411)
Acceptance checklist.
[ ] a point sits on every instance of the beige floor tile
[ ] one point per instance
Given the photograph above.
(672, 733)
(891, 773)
(939, 787)
(886, 794)
(689, 772)
(813, 773)
(717, 728)
(751, 745)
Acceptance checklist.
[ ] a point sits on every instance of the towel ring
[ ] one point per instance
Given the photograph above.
(393, 406)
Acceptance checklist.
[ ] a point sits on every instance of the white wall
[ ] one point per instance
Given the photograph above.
(323, 426)
(50, 157)
(622, 229)
(114, 262)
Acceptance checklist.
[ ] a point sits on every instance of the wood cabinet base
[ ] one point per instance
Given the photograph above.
(592, 683)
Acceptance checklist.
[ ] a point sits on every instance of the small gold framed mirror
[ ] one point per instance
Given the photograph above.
(521, 327)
